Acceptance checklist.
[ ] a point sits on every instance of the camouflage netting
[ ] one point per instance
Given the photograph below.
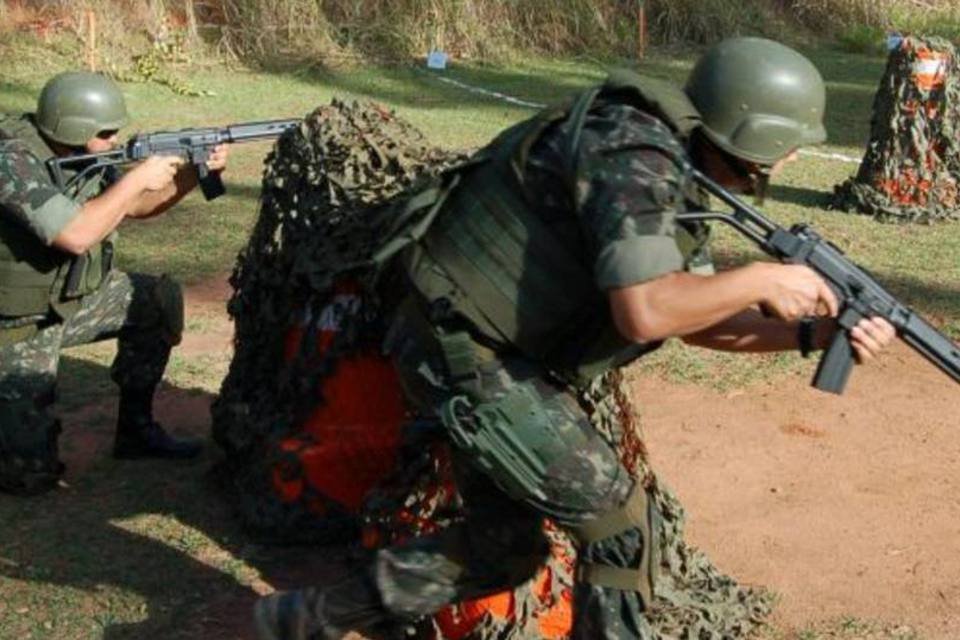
(694, 600)
(911, 169)
(324, 210)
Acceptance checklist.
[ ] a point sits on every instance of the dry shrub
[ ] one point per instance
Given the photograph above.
(704, 21)
(401, 29)
(904, 15)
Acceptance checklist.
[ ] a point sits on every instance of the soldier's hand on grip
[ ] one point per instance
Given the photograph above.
(157, 172)
(792, 292)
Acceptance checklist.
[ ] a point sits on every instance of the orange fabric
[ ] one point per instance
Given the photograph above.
(557, 621)
(554, 616)
(349, 441)
(930, 69)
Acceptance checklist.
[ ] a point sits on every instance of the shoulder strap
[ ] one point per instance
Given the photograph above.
(658, 97)
(21, 128)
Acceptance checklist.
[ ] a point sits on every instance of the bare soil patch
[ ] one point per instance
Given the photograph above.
(843, 505)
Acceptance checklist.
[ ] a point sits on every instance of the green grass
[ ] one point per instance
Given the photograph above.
(150, 550)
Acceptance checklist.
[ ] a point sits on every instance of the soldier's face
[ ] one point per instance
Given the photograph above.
(103, 141)
(782, 162)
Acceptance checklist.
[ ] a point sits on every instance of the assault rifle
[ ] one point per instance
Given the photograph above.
(859, 294)
(193, 145)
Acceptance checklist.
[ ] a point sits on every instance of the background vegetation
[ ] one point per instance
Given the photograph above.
(334, 31)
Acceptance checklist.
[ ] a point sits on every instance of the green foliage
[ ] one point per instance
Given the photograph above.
(850, 18)
(861, 38)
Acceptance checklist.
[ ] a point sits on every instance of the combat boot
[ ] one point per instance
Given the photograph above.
(325, 613)
(29, 460)
(33, 474)
(140, 436)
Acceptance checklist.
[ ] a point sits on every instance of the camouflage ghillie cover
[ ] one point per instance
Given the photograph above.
(324, 207)
(693, 599)
(911, 169)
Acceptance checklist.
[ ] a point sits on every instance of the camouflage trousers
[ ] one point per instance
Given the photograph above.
(500, 542)
(127, 307)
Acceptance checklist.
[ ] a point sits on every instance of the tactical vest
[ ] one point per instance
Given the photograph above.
(36, 278)
(495, 261)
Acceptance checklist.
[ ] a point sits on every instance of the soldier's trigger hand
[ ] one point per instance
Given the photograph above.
(791, 292)
(157, 172)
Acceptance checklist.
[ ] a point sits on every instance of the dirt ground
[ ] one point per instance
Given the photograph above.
(843, 506)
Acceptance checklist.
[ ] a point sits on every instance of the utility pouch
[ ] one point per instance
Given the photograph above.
(87, 272)
(515, 439)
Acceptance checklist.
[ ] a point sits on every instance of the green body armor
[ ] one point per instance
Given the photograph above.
(36, 278)
(496, 261)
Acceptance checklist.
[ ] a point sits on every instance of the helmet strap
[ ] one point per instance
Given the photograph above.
(761, 182)
(716, 162)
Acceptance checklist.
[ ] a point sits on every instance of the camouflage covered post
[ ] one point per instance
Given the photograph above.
(324, 187)
(326, 207)
(911, 169)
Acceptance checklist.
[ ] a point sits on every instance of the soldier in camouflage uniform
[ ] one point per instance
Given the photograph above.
(549, 260)
(57, 285)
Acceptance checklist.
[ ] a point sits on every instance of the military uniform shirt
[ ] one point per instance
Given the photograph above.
(28, 195)
(625, 186)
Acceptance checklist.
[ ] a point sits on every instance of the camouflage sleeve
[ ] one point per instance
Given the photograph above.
(628, 190)
(29, 196)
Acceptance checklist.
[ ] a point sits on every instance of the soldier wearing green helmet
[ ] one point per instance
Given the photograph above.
(527, 277)
(75, 107)
(758, 100)
(58, 287)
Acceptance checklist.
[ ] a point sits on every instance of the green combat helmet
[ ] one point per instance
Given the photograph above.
(74, 106)
(759, 100)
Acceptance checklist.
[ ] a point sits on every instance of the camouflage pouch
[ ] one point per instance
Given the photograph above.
(511, 439)
(538, 448)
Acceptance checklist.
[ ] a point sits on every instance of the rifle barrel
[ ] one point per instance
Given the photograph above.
(256, 130)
